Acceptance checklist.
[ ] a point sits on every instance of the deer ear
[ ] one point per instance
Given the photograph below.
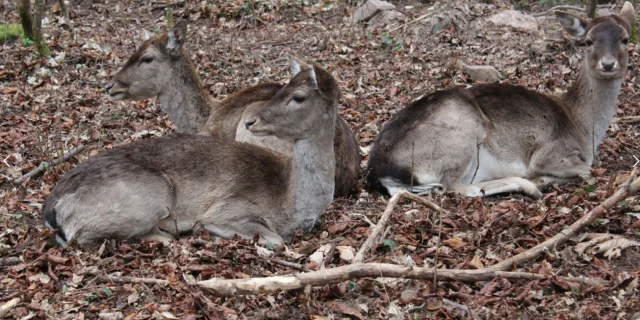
(628, 13)
(313, 78)
(176, 38)
(571, 23)
(296, 65)
(145, 35)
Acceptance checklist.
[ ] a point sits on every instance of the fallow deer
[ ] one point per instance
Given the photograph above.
(161, 67)
(159, 188)
(491, 139)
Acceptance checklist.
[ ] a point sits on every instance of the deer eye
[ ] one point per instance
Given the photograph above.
(625, 41)
(146, 59)
(589, 42)
(299, 99)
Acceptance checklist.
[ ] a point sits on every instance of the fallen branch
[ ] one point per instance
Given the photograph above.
(132, 280)
(231, 287)
(628, 188)
(9, 261)
(45, 165)
(413, 21)
(366, 246)
(5, 308)
(293, 265)
(627, 119)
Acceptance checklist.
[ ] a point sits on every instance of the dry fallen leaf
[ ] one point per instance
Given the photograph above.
(453, 243)
(610, 245)
(476, 263)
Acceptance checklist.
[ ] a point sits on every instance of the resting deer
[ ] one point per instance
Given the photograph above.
(161, 67)
(491, 139)
(159, 188)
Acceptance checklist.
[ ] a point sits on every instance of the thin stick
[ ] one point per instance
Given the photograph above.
(413, 153)
(627, 119)
(366, 246)
(232, 287)
(5, 308)
(44, 165)
(412, 21)
(132, 280)
(628, 188)
(435, 265)
(293, 265)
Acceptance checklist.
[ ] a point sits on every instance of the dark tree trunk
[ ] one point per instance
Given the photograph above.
(38, 40)
(24, 11)
(592, 5)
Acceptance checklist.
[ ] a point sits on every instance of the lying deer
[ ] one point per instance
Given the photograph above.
(491, 139)
(161, 67)
(159, 188)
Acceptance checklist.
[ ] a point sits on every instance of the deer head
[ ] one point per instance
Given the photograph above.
(294, 112)
(151, 68)
(606, 39)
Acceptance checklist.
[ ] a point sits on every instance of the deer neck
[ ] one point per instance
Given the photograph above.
(592, 103)
(313, 171)
(185, 100)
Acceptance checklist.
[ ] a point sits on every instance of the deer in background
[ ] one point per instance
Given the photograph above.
(491, 139)
(161, 67)
(159, 188)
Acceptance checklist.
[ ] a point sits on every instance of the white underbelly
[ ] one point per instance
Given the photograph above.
(492, 167)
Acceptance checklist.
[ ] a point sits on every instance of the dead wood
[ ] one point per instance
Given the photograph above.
(132, 280)
(627, 119)
(288, 264)
(366, 246)
(45, 165)
(231, 287)
(628, 188)
(5, 308)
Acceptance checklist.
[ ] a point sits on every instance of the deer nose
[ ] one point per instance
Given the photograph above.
(249, 123)
(108, 86)
(608, 64)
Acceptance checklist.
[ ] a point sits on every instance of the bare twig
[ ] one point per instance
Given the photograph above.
(366, 246)
(375, 233)
(132, 280)
(628, 188)
(225, 287)
(45, 165)
(627, 119)
(5, 308)
(230, 287)
(288, 264)
(413, 21)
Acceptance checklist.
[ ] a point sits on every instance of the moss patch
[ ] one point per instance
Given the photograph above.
(10, 32)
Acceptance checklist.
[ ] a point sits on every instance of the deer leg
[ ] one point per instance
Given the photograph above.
(246, 230)
(505, 185)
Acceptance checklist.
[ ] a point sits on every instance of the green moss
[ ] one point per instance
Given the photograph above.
(634, 33)
(9, 32)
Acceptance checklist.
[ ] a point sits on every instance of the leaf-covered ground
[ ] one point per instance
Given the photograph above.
(51, 105)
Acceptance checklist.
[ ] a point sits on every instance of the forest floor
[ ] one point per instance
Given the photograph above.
(54, 104)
